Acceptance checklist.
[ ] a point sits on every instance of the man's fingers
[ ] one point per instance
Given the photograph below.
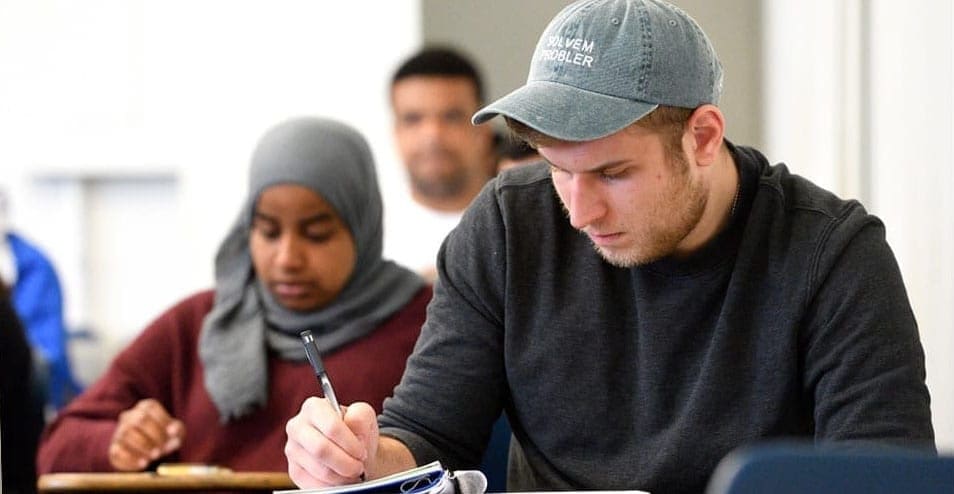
(321, 445)
(363, 421)
(301, 477)
(320, 415)
(307, 470)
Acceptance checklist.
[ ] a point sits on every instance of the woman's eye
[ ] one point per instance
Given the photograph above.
(319, 237)
(266, 230)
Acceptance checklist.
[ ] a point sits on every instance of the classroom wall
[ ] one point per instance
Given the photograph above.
(911, 177)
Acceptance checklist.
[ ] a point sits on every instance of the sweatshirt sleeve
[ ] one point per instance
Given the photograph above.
(863, 360)
(78, 439)
(454, 387)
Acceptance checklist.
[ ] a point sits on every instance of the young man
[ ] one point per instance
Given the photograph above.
(653, 299)
(448, 160)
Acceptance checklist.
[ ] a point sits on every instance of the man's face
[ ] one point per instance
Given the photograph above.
(635, 203)
(438, 144)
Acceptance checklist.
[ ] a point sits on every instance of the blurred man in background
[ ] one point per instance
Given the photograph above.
(447, 159)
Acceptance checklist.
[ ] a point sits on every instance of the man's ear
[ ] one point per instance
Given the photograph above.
(706, 127)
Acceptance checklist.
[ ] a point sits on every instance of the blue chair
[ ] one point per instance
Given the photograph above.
(790, 469)
(494, 462)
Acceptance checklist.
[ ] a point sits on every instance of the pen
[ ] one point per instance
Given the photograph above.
(311, 351)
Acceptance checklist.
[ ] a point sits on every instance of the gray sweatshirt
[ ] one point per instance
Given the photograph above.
(792, 322)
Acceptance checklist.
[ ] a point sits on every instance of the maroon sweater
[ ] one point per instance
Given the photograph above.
(163, 363)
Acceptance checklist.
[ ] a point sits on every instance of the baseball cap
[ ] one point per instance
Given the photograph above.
(600, 65)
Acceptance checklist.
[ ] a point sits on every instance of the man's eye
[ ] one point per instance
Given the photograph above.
(613, 174)
(455, 116)
(410, 119)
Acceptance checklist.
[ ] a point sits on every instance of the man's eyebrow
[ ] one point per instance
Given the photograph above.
(595, 169)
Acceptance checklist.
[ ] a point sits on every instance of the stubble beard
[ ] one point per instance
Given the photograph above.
(440, 186)
(443, 188)
(675, 213)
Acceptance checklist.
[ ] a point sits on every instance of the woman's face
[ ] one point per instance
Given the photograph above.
(301, 249)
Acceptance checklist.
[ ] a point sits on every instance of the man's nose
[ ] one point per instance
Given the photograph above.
(433, 128)
(586, 205)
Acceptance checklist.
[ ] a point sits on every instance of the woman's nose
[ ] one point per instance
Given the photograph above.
(290, 254)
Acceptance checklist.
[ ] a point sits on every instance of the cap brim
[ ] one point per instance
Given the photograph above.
(565, 112)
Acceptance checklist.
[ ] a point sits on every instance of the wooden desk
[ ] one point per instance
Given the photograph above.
(152, 482)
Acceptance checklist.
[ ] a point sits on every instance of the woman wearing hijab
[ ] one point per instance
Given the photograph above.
(215, 378)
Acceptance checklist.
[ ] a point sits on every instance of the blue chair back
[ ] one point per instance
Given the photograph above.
(496, 456)
(790, 469)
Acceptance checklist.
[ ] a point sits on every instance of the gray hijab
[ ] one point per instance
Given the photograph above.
(334, 161)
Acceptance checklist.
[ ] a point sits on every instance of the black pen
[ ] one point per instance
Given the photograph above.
(311, 351)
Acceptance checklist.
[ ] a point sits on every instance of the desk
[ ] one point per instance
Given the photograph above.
(151, 482)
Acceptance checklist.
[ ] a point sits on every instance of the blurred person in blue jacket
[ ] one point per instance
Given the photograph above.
(38, 301)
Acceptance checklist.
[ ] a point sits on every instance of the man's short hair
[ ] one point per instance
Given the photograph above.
(440, 61)
(511, 147)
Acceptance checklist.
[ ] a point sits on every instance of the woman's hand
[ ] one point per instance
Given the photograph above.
(145, 433)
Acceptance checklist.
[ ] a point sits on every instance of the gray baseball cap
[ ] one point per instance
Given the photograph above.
(603, 64)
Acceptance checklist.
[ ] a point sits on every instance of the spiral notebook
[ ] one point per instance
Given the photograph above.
(432, 478)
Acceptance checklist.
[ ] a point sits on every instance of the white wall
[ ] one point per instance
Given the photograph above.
(859, 98)
(912, 179)
(127, 124)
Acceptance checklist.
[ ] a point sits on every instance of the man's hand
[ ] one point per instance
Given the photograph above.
(325, 449)
(146, 432)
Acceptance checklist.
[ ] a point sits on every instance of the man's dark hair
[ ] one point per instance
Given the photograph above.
(440, 61)
(511, 147)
